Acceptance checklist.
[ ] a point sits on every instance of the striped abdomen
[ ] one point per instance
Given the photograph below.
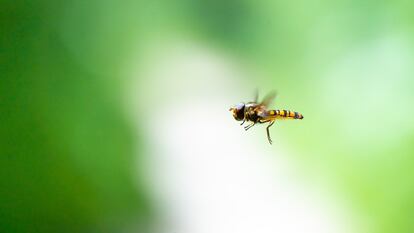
(285, 114)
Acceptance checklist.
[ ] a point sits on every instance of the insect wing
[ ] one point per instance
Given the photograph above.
(266, 114)
(256, 95)
(262, 113)
(267, 100)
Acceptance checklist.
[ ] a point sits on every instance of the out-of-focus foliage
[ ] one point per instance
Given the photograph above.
(68, 152)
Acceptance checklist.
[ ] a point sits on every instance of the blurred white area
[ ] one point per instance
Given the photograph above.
(208, 175)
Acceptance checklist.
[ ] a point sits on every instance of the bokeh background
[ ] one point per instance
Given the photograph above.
(114, 116)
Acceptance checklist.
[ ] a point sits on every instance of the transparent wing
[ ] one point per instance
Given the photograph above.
(256, 95)
(261, 112)
(265, 115)
(268, 99)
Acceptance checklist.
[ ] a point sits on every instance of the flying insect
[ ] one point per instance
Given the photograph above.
(258, 113)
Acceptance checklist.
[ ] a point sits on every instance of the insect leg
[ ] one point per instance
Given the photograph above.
(243, 122)
(268, 133)
(249, 126)
(261, 121)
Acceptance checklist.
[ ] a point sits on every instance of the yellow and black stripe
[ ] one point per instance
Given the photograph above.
(285, 114)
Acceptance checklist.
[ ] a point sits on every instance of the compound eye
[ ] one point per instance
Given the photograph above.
(240, 113)
(240, 106)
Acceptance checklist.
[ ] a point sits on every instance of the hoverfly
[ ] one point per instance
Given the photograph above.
(255, 112)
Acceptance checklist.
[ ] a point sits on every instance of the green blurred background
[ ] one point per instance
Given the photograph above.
(69, 150)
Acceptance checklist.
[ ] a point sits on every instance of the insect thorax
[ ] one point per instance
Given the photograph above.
(251, 115)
